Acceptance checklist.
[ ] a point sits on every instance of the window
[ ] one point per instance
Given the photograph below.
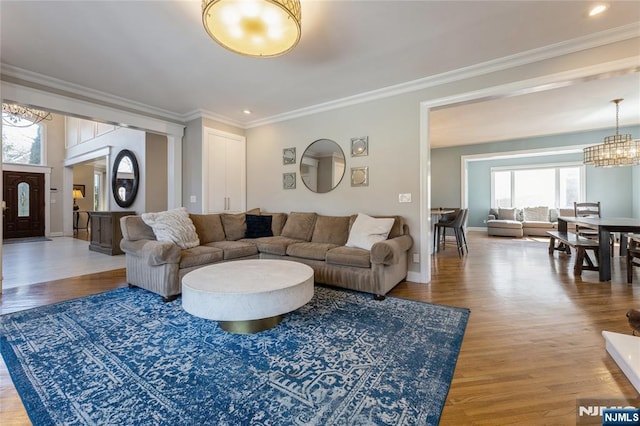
(545, 185)
(98, 184)
(22, 145)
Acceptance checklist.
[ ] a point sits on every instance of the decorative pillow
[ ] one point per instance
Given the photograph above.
(234, 225)
(277, 222)
(331, 230)
(299, 226)
(258, 226)
(173, 226)
(208, 227)
(506, 214)
(536, 214)
(366, 231)
(567, 211)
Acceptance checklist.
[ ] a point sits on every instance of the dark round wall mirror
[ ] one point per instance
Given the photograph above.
(125, 178)
(322, 166)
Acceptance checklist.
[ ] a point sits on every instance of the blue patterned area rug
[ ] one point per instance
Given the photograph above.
(125, 357)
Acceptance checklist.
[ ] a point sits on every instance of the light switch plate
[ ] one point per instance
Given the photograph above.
(193, 199)
(404, 198)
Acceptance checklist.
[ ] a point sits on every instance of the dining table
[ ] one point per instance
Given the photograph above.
(605, 226)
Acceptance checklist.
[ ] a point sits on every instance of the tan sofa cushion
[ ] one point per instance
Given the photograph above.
(235, 249)
(274, 245)
(134, 229)
(234, 225)
(331, 230)
(316, 251)
(509, 224)
(299, 226)
(201, 255)
(536, 214)
(507, 214)
(208, 227)
(349, 256)
(277, 222)
(538, 224)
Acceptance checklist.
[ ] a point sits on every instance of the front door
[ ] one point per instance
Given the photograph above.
(23, 194)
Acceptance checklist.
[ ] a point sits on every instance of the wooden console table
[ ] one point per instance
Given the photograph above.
(105, 232)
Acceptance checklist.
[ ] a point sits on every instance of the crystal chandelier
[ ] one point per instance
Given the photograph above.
(20, 116)
(256, 28)
(617, 150)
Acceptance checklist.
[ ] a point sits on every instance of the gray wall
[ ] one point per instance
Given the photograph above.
(393, 161)
(613, 187)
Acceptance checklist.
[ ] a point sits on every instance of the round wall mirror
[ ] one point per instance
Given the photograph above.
(322, 166)
(125, 178)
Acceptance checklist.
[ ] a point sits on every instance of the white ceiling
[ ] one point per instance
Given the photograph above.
(157, 56)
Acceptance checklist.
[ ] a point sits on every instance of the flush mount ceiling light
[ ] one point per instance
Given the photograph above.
(256, 28)
(20, 116)
(617, 150)
(598, 9)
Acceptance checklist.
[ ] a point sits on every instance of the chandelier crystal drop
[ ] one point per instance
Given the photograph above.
(255, 28)
(616, 151)
(21, 116)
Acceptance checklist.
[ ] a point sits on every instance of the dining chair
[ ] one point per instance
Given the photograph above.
(633, 256)
(457, 225)
(586, 210)
(589, 209)
(444, 220)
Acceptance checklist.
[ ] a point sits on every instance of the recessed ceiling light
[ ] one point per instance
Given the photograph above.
(246, 111)
(598, 9)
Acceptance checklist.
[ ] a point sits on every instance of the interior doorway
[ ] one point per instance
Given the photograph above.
(24, 196)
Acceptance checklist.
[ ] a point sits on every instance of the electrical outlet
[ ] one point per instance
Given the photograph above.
(416, 257)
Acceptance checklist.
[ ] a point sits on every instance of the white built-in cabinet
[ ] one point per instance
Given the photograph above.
(224, 172)
(79, 130)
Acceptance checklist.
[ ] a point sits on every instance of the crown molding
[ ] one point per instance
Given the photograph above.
(590, 41)
(201, 113)
(547, 52)
(86, 93)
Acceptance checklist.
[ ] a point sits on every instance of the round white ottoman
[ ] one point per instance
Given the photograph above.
(247, 296)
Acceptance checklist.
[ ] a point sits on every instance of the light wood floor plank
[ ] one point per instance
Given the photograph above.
(533, 344)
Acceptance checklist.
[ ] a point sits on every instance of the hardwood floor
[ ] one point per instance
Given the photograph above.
(532, 347)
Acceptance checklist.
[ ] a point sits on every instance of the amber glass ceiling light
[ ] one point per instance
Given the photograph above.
(257, 28)
(617, 150)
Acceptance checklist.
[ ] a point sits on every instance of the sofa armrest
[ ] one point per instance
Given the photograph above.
(491, 217)
(155, 252)
(389, 252)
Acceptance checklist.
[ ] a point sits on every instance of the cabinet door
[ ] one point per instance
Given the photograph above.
(216, 171)
(235, 175)
(224, 179)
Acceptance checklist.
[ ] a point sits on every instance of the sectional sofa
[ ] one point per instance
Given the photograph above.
(522, 222)
(328, 244)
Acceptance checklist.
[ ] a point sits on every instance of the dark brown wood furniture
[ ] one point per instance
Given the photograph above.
(581, 244)
(633, 256)
(105, 232)
(605, 226)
